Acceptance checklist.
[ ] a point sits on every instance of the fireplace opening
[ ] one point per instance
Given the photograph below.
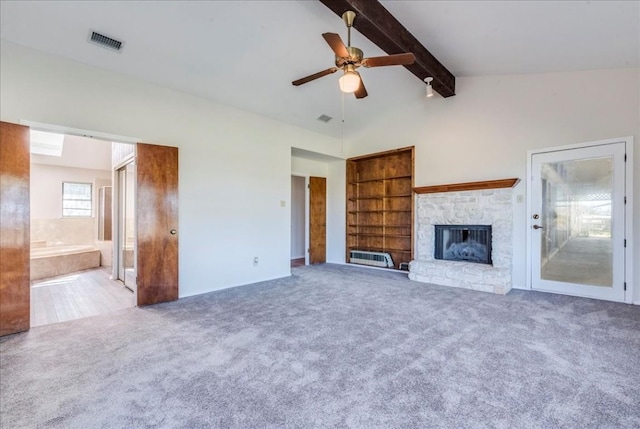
(467, 243)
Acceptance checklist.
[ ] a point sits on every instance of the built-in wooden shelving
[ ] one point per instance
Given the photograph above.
(380, 204)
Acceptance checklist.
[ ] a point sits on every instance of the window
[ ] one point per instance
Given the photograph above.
(76, 199)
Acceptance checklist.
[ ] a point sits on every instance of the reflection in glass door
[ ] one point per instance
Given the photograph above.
(126, 226)
(578, 221)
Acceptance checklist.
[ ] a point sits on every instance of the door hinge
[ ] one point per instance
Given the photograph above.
(625, 200)
(625, 285)
(625, 242)
(625, 157)
(308, 251)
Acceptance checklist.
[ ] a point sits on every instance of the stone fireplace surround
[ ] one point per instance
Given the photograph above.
(479, 203)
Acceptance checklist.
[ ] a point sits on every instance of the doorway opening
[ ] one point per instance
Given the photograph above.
(72, 228)
(298, 221)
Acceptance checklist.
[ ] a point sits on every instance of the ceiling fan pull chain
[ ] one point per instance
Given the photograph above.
(342, 126)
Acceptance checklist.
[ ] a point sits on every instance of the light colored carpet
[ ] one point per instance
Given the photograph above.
(332, 346)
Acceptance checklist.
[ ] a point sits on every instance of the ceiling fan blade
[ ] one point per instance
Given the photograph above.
(314, 76)
(390, 60)
(361, 92)
(336, 44)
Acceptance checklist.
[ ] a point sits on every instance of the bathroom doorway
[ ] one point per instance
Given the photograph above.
(71, 229)
(156, 225)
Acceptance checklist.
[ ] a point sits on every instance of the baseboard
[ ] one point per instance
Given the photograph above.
(297, 257)
(235, 285)
(519, 287)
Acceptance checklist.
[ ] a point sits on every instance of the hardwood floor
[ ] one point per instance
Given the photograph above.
(77, 295)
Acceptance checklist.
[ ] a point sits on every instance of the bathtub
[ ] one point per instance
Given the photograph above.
(52, 261)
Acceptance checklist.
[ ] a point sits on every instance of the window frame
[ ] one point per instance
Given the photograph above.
(63, 199)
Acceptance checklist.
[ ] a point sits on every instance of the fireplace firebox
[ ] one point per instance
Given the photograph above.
(466, 243)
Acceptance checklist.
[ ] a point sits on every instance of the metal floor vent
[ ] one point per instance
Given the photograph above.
(377, 259)
(105, 41)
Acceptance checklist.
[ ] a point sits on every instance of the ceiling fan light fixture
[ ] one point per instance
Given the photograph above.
(350, 81)
(428, 80)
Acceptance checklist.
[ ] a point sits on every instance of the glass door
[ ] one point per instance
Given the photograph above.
(577, 221)
(126, 226)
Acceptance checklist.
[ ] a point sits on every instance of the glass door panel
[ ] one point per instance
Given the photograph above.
(578, 217)
(126, 223)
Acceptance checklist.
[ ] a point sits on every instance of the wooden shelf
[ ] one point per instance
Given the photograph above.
(380, 201)
(381, 197)
(366, 234)
(380, 179)
(468, 186)
(379, 211)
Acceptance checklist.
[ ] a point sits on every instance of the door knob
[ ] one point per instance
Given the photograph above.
(173, 232)
(538, 227)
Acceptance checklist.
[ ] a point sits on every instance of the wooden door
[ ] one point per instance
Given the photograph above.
(157, 223)
(15, 287)
(317, 220)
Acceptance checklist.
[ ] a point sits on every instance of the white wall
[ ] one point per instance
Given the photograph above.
(47, 223)
(336, 212)
(308, 167)
(484, 132)
(235, 167)
(46, 187)
(298, 217)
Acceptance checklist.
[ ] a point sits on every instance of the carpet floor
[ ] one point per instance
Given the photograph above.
(332, 346)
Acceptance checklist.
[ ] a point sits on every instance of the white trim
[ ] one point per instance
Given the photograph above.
(629, 278)
(79, 132)
(628, 212)
(306, 215)
(627, 139)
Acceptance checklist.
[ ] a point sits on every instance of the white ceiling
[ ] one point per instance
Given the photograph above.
(79, 152)
(246, 54)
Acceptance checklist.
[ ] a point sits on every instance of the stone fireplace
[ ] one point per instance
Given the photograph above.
(478, 220)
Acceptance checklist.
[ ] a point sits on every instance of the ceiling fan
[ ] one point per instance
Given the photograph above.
(349, 58)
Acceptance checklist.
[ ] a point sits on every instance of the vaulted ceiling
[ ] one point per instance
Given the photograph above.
(246, 53)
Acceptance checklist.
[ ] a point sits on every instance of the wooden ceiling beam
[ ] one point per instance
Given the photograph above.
(378, 25)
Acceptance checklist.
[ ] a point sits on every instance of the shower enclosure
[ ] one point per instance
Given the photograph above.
(125, 255)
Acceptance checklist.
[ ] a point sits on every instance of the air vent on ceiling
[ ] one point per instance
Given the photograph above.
(324, 118)
(105, 41)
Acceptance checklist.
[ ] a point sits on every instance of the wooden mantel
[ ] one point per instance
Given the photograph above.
(469, 186)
